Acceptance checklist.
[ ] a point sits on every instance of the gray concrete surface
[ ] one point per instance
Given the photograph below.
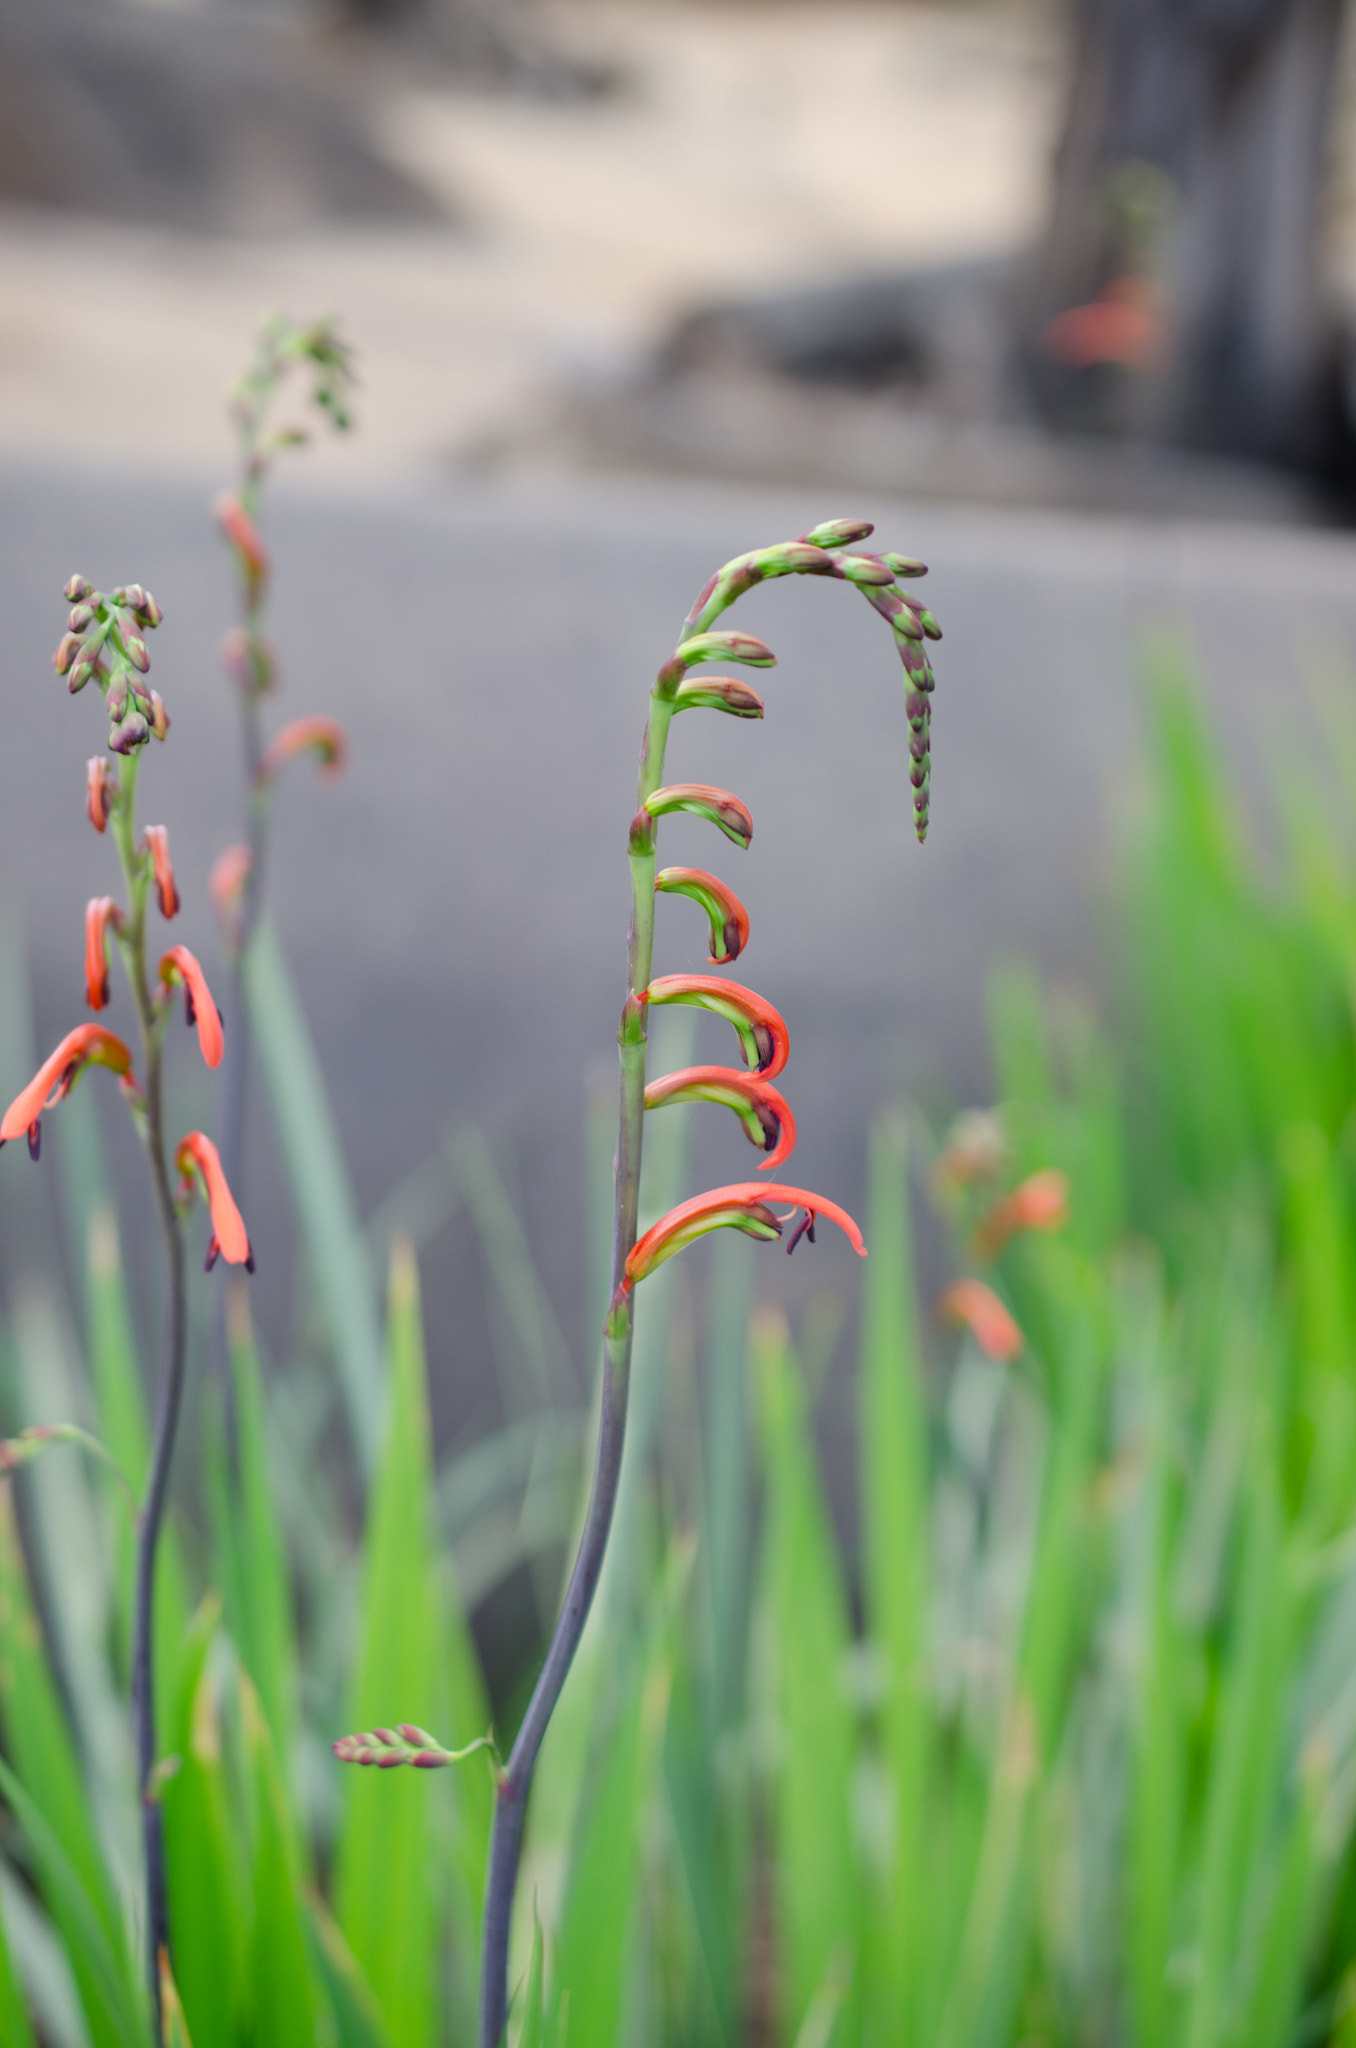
(456, 908)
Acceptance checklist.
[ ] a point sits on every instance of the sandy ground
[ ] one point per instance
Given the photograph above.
(753, 145)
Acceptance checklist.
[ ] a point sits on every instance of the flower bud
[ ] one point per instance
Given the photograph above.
(155, 841)
(75, 589)
(200, 1165)
(87, 1045)
(718, 693)
(136, 652)
(82, 615)
(130, 733)
(100, 792)
(704, 801)
(741, 647)
(728, 918)
(838, 533)
(160, 718)
(100, 912)
(905, 565)
(67, 650)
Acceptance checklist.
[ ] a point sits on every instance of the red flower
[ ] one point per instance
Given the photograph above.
(100, 912)
(761, 1108)
(1041, 1202)
(705, 802)
(241, 531)
(198, 1161)
(763, 1035)
(182, 966)
(729, 919)
(321, 736)
(156, 840)
(88, 1045)
(100, 790)
(740, 1207)
(977, 1308)
(1122, 325)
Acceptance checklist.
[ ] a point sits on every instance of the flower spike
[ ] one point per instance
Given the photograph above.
(100, 793)
(388, 1748)
(182, 966)
(728, 917)
(100, 912)
(976, 1308)
(763, 1036)
(155, 841)
(761, 1108)
(704, 802)
(324, 737)
(742, 1206)
(198, 1161)
(88, 1045)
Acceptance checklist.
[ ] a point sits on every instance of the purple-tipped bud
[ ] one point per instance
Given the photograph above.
(80, 675)
(838, 533)
(741, 647)
(75, 589)
(129, 734)
(68, 649)
(136, 652)
(82, 615)
(116, 699)
(905, 565)
(863, 569)
(718, 693)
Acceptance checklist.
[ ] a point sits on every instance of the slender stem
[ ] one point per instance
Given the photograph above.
(516, 1779)
(170, 1387)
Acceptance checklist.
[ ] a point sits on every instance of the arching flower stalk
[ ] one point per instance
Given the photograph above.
(237, 884)
(750, 1206)
(105, 644)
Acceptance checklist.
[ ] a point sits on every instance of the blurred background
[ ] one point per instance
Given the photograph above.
(1061, 294)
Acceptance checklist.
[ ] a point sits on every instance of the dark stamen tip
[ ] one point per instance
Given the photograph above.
(213, 1253)
(35, 1140)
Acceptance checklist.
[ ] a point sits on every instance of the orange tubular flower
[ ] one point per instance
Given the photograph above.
(182, 966)
(763, 1036)
(100, 912)
(321, 736)
(976, 1308)
(1041, 1202)
(156, 841)
(226, 883)
(728, 917)
(705, 802)
(740, 1207)
(241, 531)
(88, 1045)
(100, 790)
(761, 1108)
(199, 1163)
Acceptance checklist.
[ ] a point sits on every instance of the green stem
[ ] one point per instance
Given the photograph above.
(170, 1387)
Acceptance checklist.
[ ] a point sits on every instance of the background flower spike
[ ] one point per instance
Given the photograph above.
(704, 801)
(742, 1206)
(389, 1748)
(763, 1036)
(728, 917)
(762, 1109)
(973, 1306)
(322, 737)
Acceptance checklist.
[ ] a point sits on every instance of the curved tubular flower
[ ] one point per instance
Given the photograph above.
(763, 1036)
(155, 839)
(226, 883)
(324, 737)
(179, 965)
(89, 1045)
(728, 917)
(973, 1306)
(761, 1108)
(241, 531)
(199, 1164)
(742, 1206)
(1040, 1202)
(100, 912)
(704, 801)
(718, 693)
(100, 791)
